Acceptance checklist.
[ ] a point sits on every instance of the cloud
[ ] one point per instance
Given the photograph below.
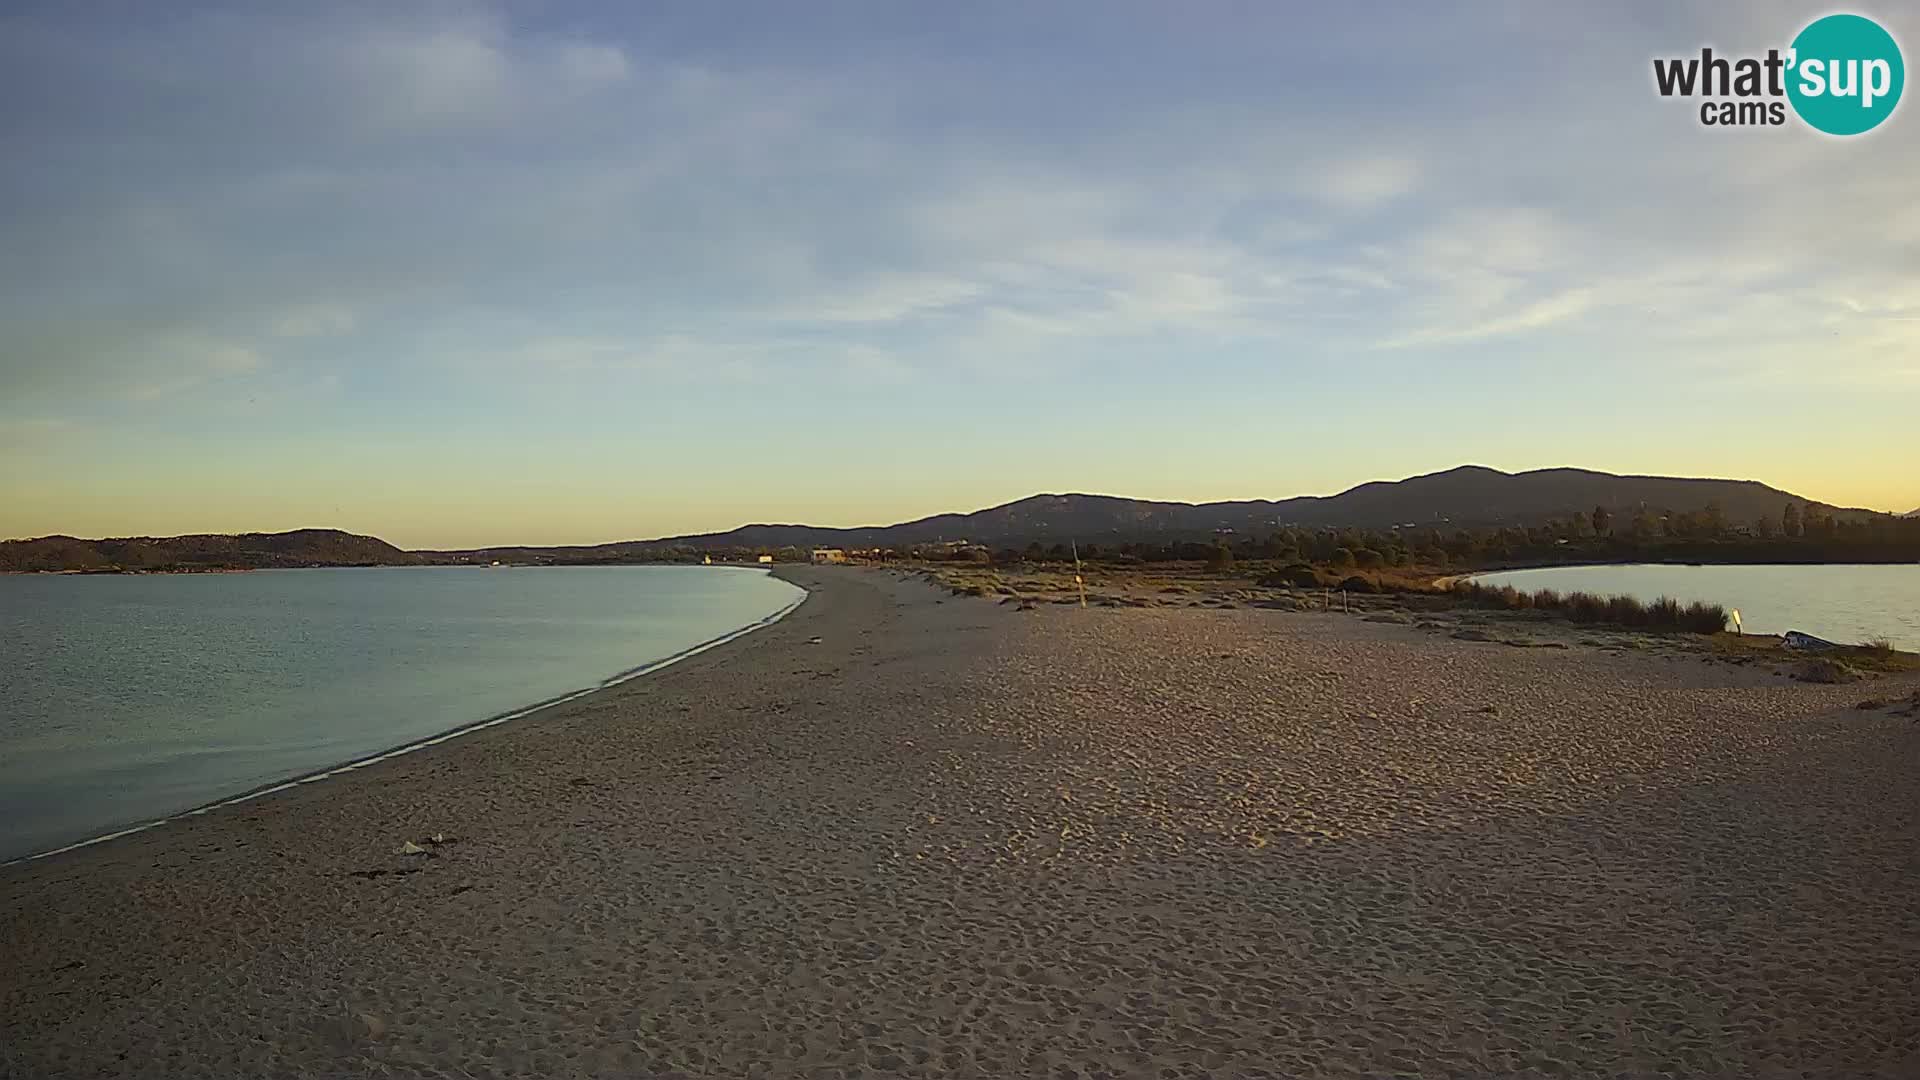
(1365, 183)
(884, 300)
(430, 75)
(176, 365)
(209, 195)
(26, 432)
(1531, 316)
(667, 359)
(314, 320)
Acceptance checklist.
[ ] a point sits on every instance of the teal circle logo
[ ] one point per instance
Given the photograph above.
(1846, 74)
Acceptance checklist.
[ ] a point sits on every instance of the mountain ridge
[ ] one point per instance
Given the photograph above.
(1460, 497)
(203, 551)
(1465, 495)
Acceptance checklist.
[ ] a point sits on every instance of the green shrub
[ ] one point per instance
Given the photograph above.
(1665, 613)
(1298, 575)
(1824, 669)
(1703, 618)
(1585, 607)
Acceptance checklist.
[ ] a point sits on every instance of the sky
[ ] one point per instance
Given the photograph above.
(458, 274)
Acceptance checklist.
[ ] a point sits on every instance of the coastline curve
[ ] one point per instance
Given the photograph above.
(517, 713)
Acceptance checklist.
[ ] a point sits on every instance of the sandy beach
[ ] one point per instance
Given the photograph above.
(901, 833)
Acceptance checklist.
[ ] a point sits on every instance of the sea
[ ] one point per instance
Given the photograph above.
(125, 699)
(1846, 603)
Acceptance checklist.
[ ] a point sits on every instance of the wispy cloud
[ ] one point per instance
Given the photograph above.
(314, 320)
(884, 300)
(1534, 315)
(19, 431)
(228, 200)
(1365, 183)
(177, 365)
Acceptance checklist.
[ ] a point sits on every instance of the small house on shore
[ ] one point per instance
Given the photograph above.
(829, 555)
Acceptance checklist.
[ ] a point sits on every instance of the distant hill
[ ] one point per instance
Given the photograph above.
(1468, 496)
(212, 551)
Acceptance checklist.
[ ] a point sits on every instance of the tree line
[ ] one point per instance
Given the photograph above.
(1799, 533)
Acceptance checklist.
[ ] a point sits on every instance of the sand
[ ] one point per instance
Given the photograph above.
(952, 839)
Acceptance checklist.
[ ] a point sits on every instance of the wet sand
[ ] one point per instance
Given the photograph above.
(953, 839)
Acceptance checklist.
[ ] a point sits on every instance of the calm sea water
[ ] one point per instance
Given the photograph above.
(1846, 603)
(126, 698)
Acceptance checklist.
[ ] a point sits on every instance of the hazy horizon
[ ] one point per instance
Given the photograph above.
(465, 273)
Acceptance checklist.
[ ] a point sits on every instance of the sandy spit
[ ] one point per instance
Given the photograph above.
(952, 839)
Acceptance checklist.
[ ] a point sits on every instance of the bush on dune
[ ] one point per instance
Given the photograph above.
(1665, 613)
(1298, 574)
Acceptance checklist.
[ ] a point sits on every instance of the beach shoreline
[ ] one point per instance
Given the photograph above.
(918, 835)
(342, 768)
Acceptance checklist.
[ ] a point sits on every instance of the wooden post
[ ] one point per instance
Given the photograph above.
(1077, 578)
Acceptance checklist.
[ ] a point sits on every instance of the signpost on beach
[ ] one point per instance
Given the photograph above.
(1077, 579)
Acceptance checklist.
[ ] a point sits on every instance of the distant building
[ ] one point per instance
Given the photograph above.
(829, 555)
(765, 559)
(947, 549)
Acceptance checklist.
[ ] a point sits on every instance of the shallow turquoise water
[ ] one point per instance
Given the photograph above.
(1845, 603)
(126, 698)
